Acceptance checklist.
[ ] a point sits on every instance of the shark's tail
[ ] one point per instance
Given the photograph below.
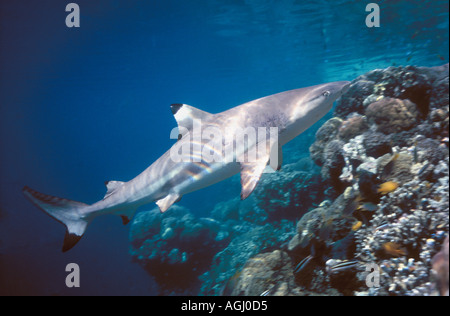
(65, 211)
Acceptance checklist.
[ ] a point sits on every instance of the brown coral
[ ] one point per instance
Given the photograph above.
(393, 115)
(352, 127)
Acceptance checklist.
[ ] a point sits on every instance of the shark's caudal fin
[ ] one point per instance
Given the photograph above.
(64, 211)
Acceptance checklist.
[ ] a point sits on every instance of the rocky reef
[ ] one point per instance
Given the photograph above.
(190, 255)
(175, 247)
(371, 218)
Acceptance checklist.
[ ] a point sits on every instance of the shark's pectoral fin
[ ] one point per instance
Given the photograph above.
(185, 116)
(167, 202)
(112, 186)
(250, 174)
(276, 157)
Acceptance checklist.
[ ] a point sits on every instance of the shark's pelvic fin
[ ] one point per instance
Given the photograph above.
(185, 116)
(65, 211)
(167, 202)
(111, 186)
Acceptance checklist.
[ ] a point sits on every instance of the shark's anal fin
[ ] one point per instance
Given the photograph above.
(250, 174)
(125, 219)
(112, 186)
(167, 202)
(126, 215)
(185, 116)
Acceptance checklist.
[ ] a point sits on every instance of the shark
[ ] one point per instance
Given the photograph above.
(245, 139)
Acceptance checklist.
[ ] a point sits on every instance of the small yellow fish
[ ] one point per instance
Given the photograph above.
(393, 249)
(387, 187)
(357, 226)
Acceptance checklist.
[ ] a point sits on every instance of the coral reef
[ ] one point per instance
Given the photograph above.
(175, 247)
(371, 217)
(384, 158)
(392, 115)
(441, 268)
(250, 239)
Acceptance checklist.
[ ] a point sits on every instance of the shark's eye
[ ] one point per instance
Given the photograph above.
(326, 94)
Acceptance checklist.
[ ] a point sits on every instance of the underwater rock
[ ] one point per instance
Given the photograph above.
(385, 177)
(398, 168)
(324, 135)
(352, 101)
(430, 150)
(175, 247)
(285, 194)
(439, 77)
(334, 163)
(288, 193)
(404, 234)
(321, 227)
(395, 167)
(253, 239)
(376, 144)
(392, 115)
(441, 268)
(353, 126)
(266, 274)
(408, 82)
(343, 274)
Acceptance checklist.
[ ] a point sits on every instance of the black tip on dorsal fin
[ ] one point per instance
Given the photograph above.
(175, 107)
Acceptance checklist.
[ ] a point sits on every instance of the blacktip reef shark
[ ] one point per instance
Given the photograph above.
(168, 179)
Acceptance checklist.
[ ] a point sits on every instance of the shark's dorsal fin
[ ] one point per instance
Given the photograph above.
(111, 186)
(185, 116)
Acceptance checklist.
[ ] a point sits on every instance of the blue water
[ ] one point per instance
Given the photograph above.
(84, 105)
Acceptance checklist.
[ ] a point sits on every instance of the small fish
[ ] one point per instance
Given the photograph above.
(357, 226)
(265, 293)
(369, 206)
(415, 154)
(423, 169)
(302, 264)
(381, 227)
(387, 187)
(333, 266)
(393, 249)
